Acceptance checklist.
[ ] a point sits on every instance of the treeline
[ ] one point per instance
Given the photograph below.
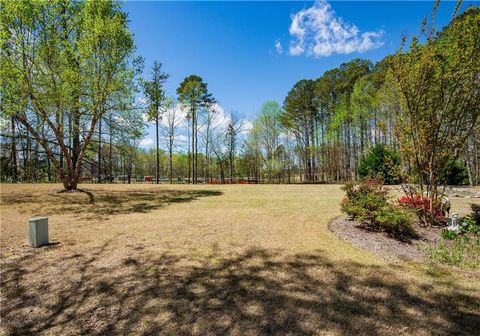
(422, 101)
(328, 125)
(70, 107)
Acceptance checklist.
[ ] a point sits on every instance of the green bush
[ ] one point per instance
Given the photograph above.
(364, 200)
(367, 203)
(448, 234)
(461, 248)
(469, 225)
(463, 252)
(455, 173)
(396, 221)
(475, 213)
(382, 161)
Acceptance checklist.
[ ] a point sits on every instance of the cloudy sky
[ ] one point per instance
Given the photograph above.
(249, 52)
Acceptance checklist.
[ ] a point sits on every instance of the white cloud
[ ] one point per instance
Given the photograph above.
(146, 142)
(278, 47)
(181, 138)
(220, 118)
(295, 50)
(176, 112)
(318, 31)
(247, 126)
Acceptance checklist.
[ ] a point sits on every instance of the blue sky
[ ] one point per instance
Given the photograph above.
(232, 44)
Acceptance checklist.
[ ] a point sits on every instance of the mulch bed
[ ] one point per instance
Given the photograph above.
(383, 245)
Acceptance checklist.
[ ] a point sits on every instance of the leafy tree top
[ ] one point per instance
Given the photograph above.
(193, 91)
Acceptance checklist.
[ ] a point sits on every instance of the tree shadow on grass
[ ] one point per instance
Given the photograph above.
(102, 204)
(257, 292)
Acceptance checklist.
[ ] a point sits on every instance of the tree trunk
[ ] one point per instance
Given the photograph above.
(70, 183)
(75, 137)
(26, 153)
(189, 157)
(157, 151)
(206, 174)
(193, 146)
(100, 151)
(195, 178)
(49, 169)
(110, 164)
(14, 151)
(170, 154)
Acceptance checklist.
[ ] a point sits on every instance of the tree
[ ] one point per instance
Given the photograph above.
(299, 113)
(348, 74)
(210, 125)
(267, 126)
(362, 109)
(472, 157)
(218, 148)
(252, 155)
(193, 93)
(439, 82)
(171, 122)
(234, 127)
(155, 95)
(64, 62)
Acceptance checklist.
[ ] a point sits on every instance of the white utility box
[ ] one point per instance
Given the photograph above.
(38, 231)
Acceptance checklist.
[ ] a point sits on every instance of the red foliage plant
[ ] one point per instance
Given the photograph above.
(422, 204)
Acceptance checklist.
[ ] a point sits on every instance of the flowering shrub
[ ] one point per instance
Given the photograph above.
(367, 203)
(422, 206)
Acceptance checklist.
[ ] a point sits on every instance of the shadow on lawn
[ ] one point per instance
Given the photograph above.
(256, 293)
(101, 204)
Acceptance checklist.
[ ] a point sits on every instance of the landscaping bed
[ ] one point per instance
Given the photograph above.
(383, 245)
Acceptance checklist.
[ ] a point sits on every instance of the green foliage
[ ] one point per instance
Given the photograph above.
(396, 221)
(368, 203)
(455, 173)
(475, 213)
(469, 225)
(65, 61)
(463, 251)
(298, 116)
(448, 234)
(438, 84)
(363, 201)
(154, 91)
(460, 249)
(381, 161)
(267, 127)
(193, 92)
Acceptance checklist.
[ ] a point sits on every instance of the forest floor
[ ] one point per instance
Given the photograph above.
(213, 260)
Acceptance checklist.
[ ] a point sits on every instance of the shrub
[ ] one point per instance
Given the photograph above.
(381, 161)
(469, 225)
(396, 221)
(421, 205)
(448, 234)
(364, 200)
(455, 173)
(475, 213)
(462, 252)
(464, 248)
(367, 202)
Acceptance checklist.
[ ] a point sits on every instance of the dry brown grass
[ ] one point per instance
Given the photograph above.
(242, 260)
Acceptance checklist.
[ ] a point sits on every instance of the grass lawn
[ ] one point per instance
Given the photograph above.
(212, 260)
